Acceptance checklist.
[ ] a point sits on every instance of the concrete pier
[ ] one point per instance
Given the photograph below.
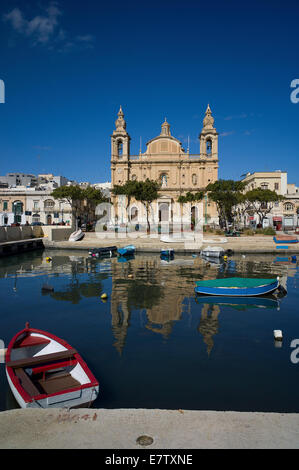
(169, 429)
(20, 246)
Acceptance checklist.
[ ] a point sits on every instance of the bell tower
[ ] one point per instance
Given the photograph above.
(120, 140)
(208, 137)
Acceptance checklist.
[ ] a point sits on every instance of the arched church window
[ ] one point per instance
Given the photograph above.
(134, 177)
(209, 146)
(194, 179)
(119, 149)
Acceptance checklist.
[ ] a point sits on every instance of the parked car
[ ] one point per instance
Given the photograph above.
(37, 223)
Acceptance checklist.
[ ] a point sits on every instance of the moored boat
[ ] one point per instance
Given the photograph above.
(126, 250)
(44, 371)
(76, 236)
(103, 251)
(213, 251)
(237, 287)
(285, 239)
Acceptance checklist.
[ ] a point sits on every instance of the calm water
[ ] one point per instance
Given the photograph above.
(152, 344)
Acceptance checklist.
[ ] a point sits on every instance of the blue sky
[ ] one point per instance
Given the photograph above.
(68, 66)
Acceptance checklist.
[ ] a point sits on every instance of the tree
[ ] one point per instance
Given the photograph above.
(92, 197)
(190, 197)
(226, 195)
(146, 192)
(261, 201)
(127, 189)
(73, 195)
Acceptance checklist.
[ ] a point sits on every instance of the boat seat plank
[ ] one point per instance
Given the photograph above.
(26, 383)
(58, 384)
(32, 361)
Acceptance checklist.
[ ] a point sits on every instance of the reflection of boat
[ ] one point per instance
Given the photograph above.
(285, 239)
(240, 303)
(44, 371)
(166, 252)
(166, 261)
(237, 286)
(213, 251)
(76, 236)
(126, 250)
(212, 259)
(103, 251)
(124, 259)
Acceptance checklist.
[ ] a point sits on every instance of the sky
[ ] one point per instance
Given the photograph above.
(69, 65)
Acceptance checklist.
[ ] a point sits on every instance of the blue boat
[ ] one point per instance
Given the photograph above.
(237, 287)
(126, 250)
(167, 252)
(286, 239)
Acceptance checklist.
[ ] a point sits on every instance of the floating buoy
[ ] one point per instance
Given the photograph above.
(225, 258)
(243, 256)
(130, 275)
(277, 335)
(48, 259)
(104, 296)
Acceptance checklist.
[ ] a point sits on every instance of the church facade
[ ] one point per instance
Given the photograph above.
(166, 161)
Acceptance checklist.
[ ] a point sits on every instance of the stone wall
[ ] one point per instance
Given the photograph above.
(10, 234)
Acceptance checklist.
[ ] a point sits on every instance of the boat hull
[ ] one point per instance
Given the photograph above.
(285, 240)
(236, 291)
(76, 236)
(127, 250)
(34, 354)
(82, 398)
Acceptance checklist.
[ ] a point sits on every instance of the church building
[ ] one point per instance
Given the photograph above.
(166, 161)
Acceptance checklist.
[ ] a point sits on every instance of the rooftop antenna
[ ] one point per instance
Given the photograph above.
(140, 144)
(188, 144)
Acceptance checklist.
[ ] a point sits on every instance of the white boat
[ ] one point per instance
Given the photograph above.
(174, 239)
(44, 371)
(215, 251)
(76, 236)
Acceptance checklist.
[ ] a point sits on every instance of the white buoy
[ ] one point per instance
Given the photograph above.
(277, 335)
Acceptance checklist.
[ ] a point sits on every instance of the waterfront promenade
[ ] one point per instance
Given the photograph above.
(169, 429)
(244, 244)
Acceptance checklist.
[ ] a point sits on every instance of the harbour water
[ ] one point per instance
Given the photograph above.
(153, 343)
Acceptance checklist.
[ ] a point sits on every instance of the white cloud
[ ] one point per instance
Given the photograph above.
(225, 134)
(236, 116)
(44, 29)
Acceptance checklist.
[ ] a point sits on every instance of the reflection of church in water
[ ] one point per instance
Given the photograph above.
(162, 304)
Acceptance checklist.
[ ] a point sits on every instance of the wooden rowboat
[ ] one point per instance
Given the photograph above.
(285, 239)
(76, 236)
(237, 287)
(44, 371)
(127, 250)
(103, 251)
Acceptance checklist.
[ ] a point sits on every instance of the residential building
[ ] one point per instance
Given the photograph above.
(29, 205)
(284, 214)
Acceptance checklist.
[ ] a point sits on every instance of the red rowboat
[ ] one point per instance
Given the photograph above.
(44, 371)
